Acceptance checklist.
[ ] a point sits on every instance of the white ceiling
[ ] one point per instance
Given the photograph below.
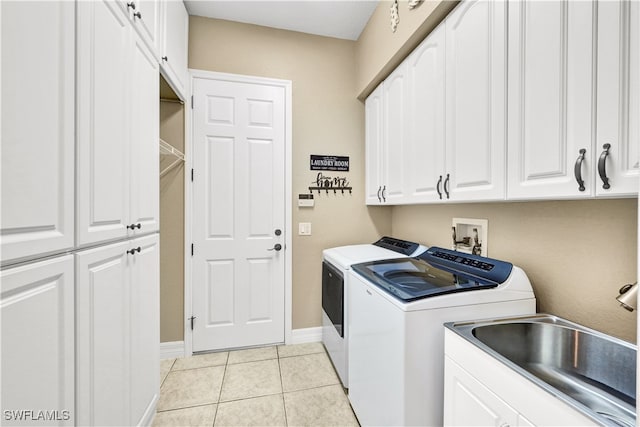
(341, 19)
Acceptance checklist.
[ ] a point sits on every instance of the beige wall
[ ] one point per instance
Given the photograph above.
(172, 229)
(577, 254)
(327, 119)
(379, 50)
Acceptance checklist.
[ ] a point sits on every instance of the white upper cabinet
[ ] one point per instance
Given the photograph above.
(38, 56)
(173, 54)
(395, 126)
(573, 102)
(117, 149)
(424, 148)
(475, 101)
(103, 88)
(373, 146)
(618, 99)
(551, 98)
(144, 16)
(145, 134)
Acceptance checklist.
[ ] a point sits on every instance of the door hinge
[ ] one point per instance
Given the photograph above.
(193, 321)
(192, 102)
(192, 249)
(191, 175)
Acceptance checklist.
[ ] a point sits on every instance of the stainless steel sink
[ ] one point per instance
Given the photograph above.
(593, 372)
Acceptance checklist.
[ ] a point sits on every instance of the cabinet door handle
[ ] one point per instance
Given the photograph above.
(134, 250)
(446, 186)
(133, 226)
(438, 187)
(137, 15)
(601, 166)
(384, 188)
(165, 58)
(379, 198)
(577, 169)
(131, 5)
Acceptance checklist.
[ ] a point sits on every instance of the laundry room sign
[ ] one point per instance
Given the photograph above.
(329, 163)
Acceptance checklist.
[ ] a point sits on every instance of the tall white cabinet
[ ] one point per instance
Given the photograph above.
(80, 270)
(37, 128)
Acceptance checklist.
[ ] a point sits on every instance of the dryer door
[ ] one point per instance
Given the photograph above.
(333, 295)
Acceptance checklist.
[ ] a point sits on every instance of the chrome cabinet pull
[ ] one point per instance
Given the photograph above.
(601, 166)
(133, 226)
(438, 187)
(379, 198)
(137, 15)
(446, 186)
(131, 5)
(384, 199)
(577, 169)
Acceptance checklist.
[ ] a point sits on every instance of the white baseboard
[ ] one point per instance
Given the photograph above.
(170, 350)
(305, 335)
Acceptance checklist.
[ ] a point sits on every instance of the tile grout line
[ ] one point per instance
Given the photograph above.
(284, 407)
(224, 375)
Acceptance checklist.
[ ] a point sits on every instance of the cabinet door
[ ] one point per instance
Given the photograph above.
(102, 336)
(618, 109)
(373, 146)
(476, 93)
(37, 305)
(424, 153)
(145, 116)
(103, 137)
(469, 403)
(148, 23)
(395, 134)
(37, 127)
(145, 329)
(175, 46)
(551, 99)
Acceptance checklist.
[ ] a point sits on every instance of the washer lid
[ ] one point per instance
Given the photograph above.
(411, 279)
(345, 256)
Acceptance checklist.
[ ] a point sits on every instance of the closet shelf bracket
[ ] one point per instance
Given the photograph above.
(176, 156)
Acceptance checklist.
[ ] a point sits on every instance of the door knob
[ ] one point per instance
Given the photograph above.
(277, 247)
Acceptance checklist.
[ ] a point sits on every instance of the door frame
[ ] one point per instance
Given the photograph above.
(188, 196)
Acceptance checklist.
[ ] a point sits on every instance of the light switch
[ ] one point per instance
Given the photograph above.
(304, 228)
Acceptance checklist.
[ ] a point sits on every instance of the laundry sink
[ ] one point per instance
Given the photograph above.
(593, 372)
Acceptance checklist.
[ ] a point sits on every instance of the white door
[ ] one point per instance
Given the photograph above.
(103, 135)
(38, 341)
(424, 148)
(238, 214)
(618, 98)
(373, 146)
(551, 57)
(475, 99)
(37, 127)
(394, 131)
(103, 346)
(145, 129)
(145, 327)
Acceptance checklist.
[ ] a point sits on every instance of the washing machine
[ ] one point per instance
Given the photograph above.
(397, 309)
(336, 264)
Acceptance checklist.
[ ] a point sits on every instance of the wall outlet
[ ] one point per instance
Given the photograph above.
(470, 235)
(304, 228)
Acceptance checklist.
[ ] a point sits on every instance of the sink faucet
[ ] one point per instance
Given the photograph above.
(628, 297)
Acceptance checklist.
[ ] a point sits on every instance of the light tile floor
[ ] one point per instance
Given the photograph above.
(293, 385)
